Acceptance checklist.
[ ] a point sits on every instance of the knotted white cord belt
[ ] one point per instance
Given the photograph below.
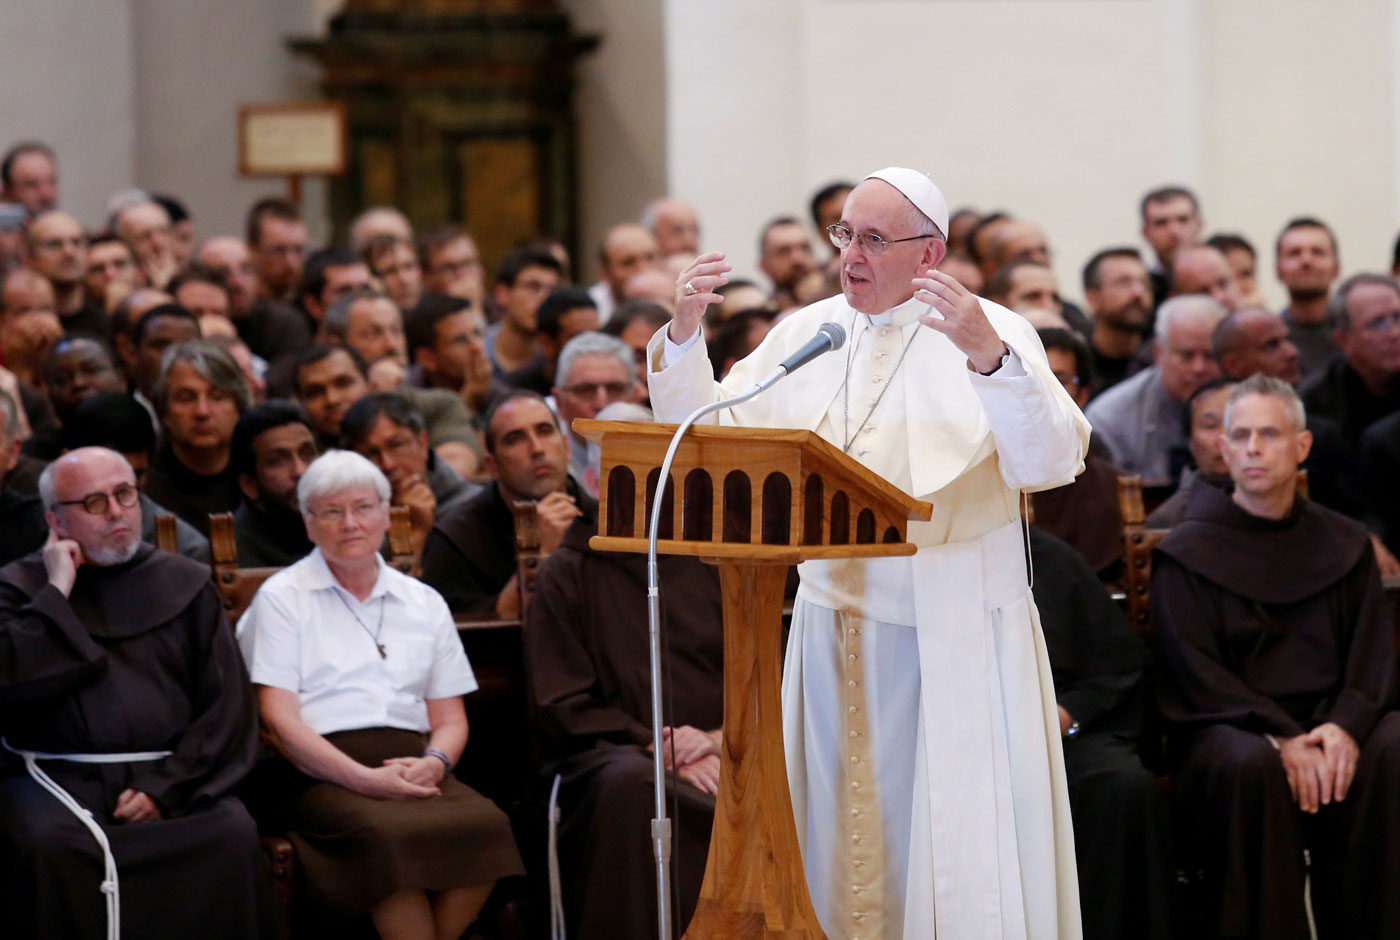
(109, 880)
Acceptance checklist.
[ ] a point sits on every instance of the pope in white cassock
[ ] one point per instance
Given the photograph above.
(922, 736)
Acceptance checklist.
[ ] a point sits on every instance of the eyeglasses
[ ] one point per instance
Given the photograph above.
(335, 515)
(591, 389)
(872, 244)
(126, 496)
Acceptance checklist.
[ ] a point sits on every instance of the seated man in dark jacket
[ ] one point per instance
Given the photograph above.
(470, 554)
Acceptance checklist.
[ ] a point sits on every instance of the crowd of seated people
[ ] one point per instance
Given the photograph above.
(1244, 747)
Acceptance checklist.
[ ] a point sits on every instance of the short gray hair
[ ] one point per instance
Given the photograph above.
(337, 470)
(1185, 305)
(594, 344)
(336, 322)
(213, 364)
(1261, 384)
(10, 424)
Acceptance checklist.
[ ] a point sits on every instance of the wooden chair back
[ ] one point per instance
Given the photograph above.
(1138, 543)
(238, 585)
(167, 536)
(528, 556)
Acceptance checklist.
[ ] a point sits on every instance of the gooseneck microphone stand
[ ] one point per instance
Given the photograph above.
(661, 824)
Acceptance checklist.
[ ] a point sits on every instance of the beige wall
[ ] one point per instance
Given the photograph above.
(621, 112)
(1061, 112)
(68, 82)
(196, 63)
(146, 94)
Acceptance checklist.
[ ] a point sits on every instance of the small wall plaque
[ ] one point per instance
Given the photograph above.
(292, 139)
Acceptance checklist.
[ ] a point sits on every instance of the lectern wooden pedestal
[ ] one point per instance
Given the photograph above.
(753, 501)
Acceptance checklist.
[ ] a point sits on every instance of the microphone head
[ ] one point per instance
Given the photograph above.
(835, 332)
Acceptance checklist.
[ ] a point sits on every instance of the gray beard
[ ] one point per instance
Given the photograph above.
(106, 557)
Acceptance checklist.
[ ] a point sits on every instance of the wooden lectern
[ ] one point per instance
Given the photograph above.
(753, 501)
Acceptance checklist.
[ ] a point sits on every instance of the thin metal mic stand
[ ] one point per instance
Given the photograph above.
(661, 825)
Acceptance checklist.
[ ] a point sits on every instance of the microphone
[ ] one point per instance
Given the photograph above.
(830, 336)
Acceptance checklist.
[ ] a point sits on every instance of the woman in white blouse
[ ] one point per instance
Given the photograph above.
(360, 676)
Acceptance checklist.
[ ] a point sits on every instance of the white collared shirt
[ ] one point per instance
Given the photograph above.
(300, 634)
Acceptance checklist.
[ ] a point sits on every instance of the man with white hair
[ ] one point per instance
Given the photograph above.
(1140, 419)
(922, 735)
(594, 371)
(675, 225)
(125, 699)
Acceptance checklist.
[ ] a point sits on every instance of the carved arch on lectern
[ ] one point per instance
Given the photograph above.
(738, 507)
(698, 507)
(840, 519)
(813, 510)
(865, 527)
(776, 518)
(667, 528)
(622, 503)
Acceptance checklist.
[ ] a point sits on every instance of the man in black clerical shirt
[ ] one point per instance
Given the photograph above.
(198, 397)
(470, 553)
(1277, 660)
(113, 649)
(272, 447)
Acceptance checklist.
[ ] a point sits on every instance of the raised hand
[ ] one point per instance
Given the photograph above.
(961, 319)
(695, 290)
(554, 514)
(62, 558)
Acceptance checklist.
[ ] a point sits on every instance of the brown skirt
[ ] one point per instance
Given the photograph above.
(354, 851)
